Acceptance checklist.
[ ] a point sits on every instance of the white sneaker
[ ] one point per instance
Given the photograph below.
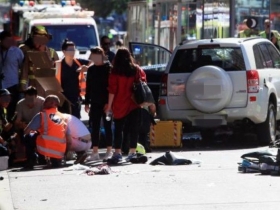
(93, 157)
(71, 155)
(108, 155)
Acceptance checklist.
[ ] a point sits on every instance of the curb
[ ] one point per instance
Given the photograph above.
(6, 201)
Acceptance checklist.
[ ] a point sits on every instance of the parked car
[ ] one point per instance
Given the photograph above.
(224, 82)
(211, 83)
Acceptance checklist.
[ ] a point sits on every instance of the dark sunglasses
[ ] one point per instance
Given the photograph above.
(106, 43)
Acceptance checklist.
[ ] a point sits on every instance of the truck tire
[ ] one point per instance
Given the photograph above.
(266, 131)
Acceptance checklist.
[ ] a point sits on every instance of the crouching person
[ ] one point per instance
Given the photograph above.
(26, 109)
(7, 134)
(49, 126)
(78, 137)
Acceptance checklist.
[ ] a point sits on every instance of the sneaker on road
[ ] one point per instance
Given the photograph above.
(71, 155)
(108, 155)
(116, 158)
(93, 157)
(130, 155)
(81, 158)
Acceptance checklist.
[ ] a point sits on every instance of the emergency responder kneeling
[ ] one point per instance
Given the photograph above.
(50, 127)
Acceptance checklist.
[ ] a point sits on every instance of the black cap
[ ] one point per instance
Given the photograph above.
(4, 92)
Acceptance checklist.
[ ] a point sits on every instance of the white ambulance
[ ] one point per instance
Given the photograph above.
(65, 22)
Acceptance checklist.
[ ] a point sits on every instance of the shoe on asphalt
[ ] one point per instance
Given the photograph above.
(93, 157)
(130, 155)
(70, 155)
(139, 159)
(115, 159)
(29, 165)
(81, 157)
(56, 163)
(108, 155)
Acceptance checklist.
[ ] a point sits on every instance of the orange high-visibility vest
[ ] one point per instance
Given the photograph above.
(52, 139)
(82, 79)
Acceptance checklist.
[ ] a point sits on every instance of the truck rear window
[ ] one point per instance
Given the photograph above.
(84, 36)
(187, 60)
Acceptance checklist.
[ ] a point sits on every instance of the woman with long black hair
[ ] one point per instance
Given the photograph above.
(120, 102)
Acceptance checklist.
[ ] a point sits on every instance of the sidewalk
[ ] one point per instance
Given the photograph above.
(6, 202)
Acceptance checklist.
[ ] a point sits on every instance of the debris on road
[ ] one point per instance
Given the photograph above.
(170, 158)
(264, 162)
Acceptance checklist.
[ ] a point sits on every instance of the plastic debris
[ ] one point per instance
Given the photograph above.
(76, 167)
(100, 170)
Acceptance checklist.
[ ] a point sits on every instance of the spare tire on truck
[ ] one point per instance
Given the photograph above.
(209, 89)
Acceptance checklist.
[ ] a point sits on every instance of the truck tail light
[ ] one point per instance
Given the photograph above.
(253, 81)
(163, 85)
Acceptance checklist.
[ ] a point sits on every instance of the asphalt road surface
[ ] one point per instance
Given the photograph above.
(215, 183)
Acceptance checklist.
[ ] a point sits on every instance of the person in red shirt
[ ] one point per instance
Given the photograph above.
(120, 102)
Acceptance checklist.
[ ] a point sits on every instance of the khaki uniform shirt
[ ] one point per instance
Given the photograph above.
(27, 77)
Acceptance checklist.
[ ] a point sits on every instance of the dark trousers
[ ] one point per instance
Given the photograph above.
(75, 106)
(144, 132)
(144, 123)
(96, 114)
(130, 125)
(30, 147)
(14, 90)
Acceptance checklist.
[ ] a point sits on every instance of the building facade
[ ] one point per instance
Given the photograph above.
(169, 22)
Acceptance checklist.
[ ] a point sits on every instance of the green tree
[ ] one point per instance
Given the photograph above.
(103, 8)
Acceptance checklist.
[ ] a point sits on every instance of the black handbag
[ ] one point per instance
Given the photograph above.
(141, 91)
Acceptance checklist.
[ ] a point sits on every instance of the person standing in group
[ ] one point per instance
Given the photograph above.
(120, 102)
(95, 100)
(70, 74)
(272, 35)
(37, 41)
(109, 56)
(245, 32)
(105, 44)
(11, 60)
(118, 44)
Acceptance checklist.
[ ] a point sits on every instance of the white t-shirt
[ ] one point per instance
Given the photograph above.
(75, 127)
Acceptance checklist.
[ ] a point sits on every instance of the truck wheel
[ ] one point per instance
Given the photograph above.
(266, 131)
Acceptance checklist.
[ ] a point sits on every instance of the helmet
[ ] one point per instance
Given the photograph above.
(40, 30)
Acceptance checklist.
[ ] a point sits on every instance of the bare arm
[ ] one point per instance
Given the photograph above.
(108, 107)
(34, 125)
(110, 100)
